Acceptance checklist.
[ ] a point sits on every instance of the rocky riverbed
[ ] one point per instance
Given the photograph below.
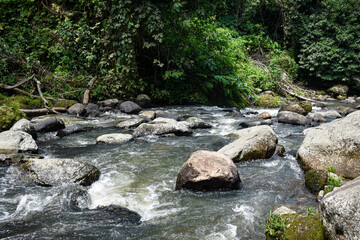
(128, 166)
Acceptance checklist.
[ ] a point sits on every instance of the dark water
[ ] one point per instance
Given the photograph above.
(141, 176)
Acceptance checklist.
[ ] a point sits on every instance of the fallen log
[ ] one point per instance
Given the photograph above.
(43, 111)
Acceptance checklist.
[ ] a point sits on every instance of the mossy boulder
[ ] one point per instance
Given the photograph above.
(294, 107)
(315, 180)
(65, 103)
(268, 100)
(306, 106)
(304, 227)
(338, 90)
(9, 115)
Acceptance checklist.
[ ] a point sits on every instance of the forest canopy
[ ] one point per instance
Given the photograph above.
(178, 52)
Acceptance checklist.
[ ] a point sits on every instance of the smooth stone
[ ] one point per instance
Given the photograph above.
(292, 118)
(129, 107)
(17, 141)
(117, 138)
(51, 124)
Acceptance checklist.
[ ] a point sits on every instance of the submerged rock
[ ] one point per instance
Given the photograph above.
(208, 171)
(197, 123)
(129, 107)
(253, 123)
(70, 130)
(162, 114)
(51, 124)
(335, 144)
(17, 141)
(58, 171)
(114, 214)
(114, 138)
(292, 118)
(162, 126)
(340, 212)
(254, 143)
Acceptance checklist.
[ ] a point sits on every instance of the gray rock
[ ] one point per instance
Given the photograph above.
(129, 107)
(143, 100)
(57, 171)
(208, 171)
(340, 212)
(17, 141)
(319, 118)
(338, 90)
(332, 114)
(195, 122)
(24, 125)
(344, 110)
(51, 124)
(92, 109)
(78, 110)
(70, 130)
(294, 107)
(117, 138)
(335, 144)
(110, 103)
(292, 118)
(131, 123)
(349, 100)
(253, 143)
(283, 210)
(280, 150)
(160, 126)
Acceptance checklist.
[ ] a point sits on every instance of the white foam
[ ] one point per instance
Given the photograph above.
(229, 233)
(246, 211)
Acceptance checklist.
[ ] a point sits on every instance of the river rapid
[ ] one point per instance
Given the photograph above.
(141, 176)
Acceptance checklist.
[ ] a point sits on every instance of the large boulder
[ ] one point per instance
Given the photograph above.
(292, 118)
(78, 110)
(206, 171)
(17, 141)
(143, 100)
(49, 125)
(117, 138)
(335, 144)
(195, 122)
(160, 126)
(340, 212)
(254, 143)
(129, 107)
(108, 103)
(294, 107)
(24, 125)
(338, 90)
(131, 123)
(58, 171)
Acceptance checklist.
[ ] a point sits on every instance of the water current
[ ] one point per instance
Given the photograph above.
(141, 175)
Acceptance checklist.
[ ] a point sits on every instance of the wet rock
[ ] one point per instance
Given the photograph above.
(114, 214)
(109, 103)
(349, 100)
(160, 126)
(340, 212)
(304, 226)
(292, 118)
(208, 171)
(58, 171)
(197, 123)
(335, 144)
(131, 123)
(143, 100)
(320, 105)
(162, 114)
(148, 114)
(294, 107)
(117, 138)
(78, 110)
(51, 124)
(315, 180)
(17, 141)
(253, 143)
(253, 123)
(70, 130)
(92, 109)
(263, 115)
(234, 114)
(129, 107)
(283, 210)
(79, 200)
(24, 125)
(318, 118)
(280, 150)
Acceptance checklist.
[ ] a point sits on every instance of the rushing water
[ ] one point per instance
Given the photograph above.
(141, 175)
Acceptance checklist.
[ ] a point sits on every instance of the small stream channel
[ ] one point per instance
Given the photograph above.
(141, 175)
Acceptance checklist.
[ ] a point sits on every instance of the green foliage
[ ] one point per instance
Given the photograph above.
(9, 114)
(332, 182)
(330, 169)
(275, 226)
(268, 100)
(311, 211)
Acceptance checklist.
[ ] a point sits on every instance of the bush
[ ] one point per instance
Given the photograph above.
(9, 115)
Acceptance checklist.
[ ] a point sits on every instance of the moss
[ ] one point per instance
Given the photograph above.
(65, 103)
(23, 102)
(304, 227)
(9, 115)
(306, 106)
(267, 100)
(315, 180)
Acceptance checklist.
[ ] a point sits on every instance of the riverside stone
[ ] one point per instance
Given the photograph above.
(78, 110)
(114, 138)
(131, 123)
(17, 141)
(129, 107)
(49, 125)
(335, 144)
(208, 171)
(254, 143)
(195, 122)
(292, 118)
(160, 126)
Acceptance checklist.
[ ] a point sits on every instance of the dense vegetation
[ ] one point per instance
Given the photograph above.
(177, 52)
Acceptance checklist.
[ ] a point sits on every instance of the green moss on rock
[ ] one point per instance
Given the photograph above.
(315, 180)
(304, 227)
(9, 115)
(65, 103)
(306, 106)
(268, 100)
